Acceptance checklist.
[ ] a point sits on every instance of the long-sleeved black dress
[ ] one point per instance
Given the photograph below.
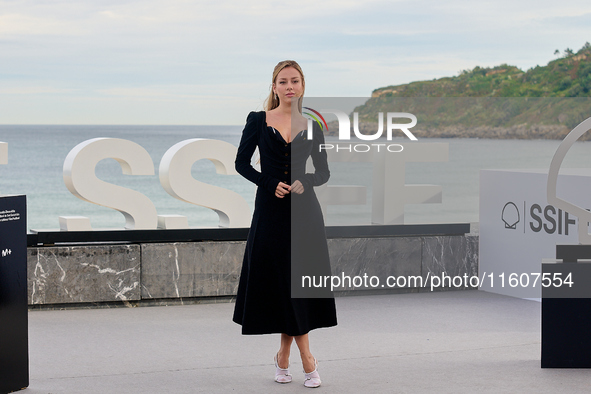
(263, 303)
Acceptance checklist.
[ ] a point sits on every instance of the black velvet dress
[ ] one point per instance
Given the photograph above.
(263, 303)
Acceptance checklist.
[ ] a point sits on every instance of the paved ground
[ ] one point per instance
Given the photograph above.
(450, 342)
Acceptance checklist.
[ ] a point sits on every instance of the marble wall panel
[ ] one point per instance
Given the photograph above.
(381, 257)
(193, 269)
(87, 274)
(452, 256)
(79, 274)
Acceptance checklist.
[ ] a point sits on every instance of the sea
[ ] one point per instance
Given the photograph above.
(36, 155)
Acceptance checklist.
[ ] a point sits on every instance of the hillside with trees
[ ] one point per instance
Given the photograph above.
(494, 102)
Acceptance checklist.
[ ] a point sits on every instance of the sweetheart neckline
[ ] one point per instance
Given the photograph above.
(281, 135)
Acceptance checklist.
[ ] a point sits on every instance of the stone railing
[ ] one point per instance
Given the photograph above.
(173, 272)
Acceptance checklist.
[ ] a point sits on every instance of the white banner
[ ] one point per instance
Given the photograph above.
(518, 228)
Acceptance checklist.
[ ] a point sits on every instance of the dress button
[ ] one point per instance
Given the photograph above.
(285, 172)
(287, 165)
(287, 154)
(285, 144)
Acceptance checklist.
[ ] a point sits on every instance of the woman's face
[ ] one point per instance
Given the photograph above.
(288, 84)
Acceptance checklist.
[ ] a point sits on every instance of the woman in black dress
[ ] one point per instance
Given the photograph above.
(264, 302)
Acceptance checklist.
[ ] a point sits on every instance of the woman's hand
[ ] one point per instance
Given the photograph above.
(282, 189)
(297, 187)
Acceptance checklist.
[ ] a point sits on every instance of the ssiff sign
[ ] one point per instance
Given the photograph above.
(518, 228)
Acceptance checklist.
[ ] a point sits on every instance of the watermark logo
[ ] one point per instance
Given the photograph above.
(345, 124)
(6, 252)
(317, 116)
(391, 129)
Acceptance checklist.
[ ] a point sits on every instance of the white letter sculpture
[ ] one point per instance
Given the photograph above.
(341, 194)
(390, 193)
(583, 215)
(3, 153)
(176, 179)
(80, 178)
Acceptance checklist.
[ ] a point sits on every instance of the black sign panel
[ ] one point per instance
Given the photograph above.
(14, 347)
(566, 302)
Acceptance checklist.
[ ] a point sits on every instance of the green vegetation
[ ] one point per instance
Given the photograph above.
(568, 76)
(497, 102)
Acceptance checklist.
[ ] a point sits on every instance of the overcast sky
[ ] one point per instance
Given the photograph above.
(210, 62)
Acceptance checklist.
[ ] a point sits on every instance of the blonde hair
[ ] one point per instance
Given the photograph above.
(272, 101)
